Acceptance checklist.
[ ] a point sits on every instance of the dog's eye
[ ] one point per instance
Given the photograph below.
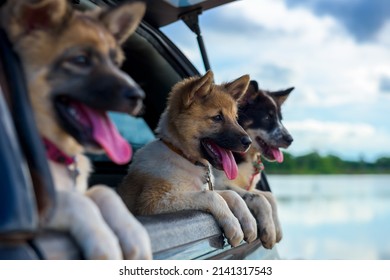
(267, 117)
(217, 118)
(81, 60)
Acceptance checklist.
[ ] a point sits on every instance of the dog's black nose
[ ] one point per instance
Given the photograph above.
(246, 141)
(130, 100)
(288, 139)
(133, 93)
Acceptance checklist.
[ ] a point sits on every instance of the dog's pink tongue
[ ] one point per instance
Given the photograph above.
(107, 136)
(228, 162)
(229, 165)
(278, 155)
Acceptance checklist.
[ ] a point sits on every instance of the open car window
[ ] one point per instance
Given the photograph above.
(134, 129)
(156, 65)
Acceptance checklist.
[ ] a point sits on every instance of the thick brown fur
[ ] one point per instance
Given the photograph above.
(260, 116)
(47, 35)
(169, 175)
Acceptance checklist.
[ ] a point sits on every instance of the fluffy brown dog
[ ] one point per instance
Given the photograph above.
(260, 116)
(197, 129)
(71, 61)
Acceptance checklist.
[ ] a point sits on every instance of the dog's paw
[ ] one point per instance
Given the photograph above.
(216, 204)
(232, 230)
(79, 216)
(271, 199)
(241, 211)
(135, 242)
(262, 210)
(106, 248)
(225, 218)
(133, 237)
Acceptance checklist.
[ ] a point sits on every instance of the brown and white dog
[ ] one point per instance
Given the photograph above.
(71, 60)
(197, 130)
(260, 116)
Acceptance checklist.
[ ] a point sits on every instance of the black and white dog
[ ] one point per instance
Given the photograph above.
(260, 116)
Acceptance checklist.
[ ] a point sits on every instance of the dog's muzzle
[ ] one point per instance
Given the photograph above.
(246, 141)
(133, 96)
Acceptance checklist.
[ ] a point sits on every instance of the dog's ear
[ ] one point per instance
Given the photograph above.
(281, 95)
(253, 86)
(201, 88)
(23, 16)
(250, 94)
(123, 20)
(238, 87)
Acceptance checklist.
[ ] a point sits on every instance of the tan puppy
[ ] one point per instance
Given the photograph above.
(260, 116)
(71, 61)
(197, 129)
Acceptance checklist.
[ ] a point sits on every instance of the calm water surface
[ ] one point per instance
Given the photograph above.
(334, 217)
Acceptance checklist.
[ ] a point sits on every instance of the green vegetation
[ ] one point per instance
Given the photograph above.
(314, 163)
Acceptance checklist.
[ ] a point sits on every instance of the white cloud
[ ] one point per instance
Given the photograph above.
(383, 35)
(326, 62)
(344, 139)
(275, 16)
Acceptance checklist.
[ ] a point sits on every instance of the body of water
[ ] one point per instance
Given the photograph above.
(333, 216)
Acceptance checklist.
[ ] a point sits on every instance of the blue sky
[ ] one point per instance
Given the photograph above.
(336, 53)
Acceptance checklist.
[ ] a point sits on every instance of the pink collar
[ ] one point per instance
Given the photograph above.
(258, 166)
(55, 154)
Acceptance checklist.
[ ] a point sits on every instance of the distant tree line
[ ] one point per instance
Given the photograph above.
(314, 163)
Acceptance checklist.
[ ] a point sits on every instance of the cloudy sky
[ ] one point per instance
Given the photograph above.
(336, 53)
